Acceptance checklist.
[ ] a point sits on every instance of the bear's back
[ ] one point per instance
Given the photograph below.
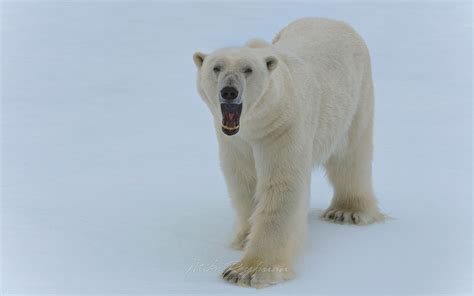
(310, 37)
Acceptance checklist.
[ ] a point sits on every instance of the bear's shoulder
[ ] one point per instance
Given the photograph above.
(257, 43)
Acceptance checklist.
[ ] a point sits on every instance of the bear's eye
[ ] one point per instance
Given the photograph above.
(217, 69)
(247, 70)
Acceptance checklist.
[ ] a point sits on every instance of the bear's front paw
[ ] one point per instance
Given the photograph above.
(345, 216)
(257, 275)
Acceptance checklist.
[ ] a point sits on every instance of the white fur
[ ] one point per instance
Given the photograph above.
(312, 107)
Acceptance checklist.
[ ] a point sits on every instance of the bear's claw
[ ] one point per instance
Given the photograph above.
(256, 275)
(352, 216)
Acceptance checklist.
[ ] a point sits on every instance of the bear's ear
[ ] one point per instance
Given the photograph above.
(198, 58)
(272, 62)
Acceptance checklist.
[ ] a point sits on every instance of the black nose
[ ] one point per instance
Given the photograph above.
(229, 93)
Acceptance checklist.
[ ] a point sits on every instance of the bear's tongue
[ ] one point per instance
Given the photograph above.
(230, 118)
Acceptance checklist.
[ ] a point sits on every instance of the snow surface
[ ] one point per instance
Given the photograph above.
(111, 182)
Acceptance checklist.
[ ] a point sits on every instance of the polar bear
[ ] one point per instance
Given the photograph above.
(281, 109)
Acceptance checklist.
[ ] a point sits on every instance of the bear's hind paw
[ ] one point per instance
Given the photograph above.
(342, 216)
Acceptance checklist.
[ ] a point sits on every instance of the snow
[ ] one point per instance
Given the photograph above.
(110, 176)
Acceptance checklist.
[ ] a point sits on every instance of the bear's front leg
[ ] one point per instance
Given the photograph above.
(279, 220)
(239, 171)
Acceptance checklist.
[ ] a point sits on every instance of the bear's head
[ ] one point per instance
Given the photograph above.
(233, 79)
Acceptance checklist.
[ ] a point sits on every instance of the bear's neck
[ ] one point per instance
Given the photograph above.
(273, 112)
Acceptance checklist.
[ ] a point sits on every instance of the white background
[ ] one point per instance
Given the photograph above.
(110, 174)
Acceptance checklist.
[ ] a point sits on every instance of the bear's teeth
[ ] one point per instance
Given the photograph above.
(230, 128)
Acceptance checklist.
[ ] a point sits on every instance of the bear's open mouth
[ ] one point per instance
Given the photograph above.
(230, 118)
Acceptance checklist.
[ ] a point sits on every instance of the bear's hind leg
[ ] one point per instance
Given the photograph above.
(350, 173)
